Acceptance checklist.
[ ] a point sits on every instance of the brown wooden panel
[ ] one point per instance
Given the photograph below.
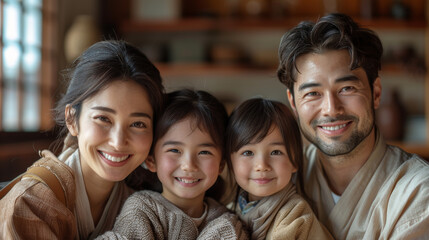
(18, 150)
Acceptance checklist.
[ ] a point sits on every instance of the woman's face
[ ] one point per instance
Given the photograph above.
(115, 131)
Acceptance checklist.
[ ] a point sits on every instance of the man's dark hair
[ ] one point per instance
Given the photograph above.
(332, 32)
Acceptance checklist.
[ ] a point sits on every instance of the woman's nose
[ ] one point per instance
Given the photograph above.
(118, 137)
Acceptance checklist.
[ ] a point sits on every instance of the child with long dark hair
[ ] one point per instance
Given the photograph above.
(188, 158)
(264, 151)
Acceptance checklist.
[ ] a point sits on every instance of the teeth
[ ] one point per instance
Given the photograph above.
(114, 159)
(187, 180)
(334, 128)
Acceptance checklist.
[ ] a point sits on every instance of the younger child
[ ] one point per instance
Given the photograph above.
(264, 150)
(188, 158)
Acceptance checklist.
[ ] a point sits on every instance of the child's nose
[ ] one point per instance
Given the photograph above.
(188, 163)
(261, 164)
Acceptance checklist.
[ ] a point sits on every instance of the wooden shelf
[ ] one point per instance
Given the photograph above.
(186, 69)
(204, 69)
(232, 24)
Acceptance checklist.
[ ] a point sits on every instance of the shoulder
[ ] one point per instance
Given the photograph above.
(222, 224)
(406, 167)
(296, 220)
(143, 198)
(47, 168)
(214, 208)
(62, 172)
(296, 207)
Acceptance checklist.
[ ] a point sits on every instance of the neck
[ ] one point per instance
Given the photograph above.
(98, 192)
(340, 170)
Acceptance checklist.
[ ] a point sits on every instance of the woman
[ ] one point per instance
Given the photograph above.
(107, 115)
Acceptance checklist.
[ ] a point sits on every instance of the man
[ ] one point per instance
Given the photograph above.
(359, 187)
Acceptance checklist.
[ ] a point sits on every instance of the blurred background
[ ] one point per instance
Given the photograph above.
(226, 47)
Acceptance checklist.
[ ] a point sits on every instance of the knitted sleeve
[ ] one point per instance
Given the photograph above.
(137, 220)
(226, 226)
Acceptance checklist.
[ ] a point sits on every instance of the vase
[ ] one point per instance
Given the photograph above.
(391, 116)
(82, 34)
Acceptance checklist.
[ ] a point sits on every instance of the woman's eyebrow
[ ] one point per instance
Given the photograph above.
(135, 114)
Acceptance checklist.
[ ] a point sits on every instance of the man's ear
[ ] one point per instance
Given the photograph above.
(71, 120)
(376, 92)
(291, 101)
(150, 163)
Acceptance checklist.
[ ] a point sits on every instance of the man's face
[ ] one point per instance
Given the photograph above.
(334, 105)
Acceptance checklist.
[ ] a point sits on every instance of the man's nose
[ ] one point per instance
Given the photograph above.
(331, 105)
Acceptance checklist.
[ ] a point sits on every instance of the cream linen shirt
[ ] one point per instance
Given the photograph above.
(387, 199)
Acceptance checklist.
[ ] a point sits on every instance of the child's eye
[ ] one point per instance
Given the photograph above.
(173, 150)
(276, 152)
(139, 125)
(205, 153)
(247, 153)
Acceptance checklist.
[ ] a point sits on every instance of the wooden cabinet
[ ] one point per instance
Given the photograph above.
(224, 50)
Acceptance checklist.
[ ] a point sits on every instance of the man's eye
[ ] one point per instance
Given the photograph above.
(347, 89)
(139, 125)
(311, 94)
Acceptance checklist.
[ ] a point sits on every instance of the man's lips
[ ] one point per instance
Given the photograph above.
(335, 129)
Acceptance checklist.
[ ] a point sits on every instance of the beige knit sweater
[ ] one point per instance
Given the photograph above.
(148, 215)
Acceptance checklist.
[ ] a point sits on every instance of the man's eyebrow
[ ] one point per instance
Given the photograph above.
(135, 114)
(308, 85)
(341, 79)
(347, 78)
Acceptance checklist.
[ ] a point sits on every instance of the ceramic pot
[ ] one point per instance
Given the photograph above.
(391, 116)
(82, 34)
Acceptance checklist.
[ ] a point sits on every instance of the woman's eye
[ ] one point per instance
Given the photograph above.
(103, 119)
(247, 153)
(276, 152)
(139, 125)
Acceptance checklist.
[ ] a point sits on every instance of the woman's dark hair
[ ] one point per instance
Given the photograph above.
(208, 114)
(95, 69)
(254, 119)
(332, 32)
(100, 65)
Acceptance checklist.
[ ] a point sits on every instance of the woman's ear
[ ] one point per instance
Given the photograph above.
(150, 164)
(71, 120)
